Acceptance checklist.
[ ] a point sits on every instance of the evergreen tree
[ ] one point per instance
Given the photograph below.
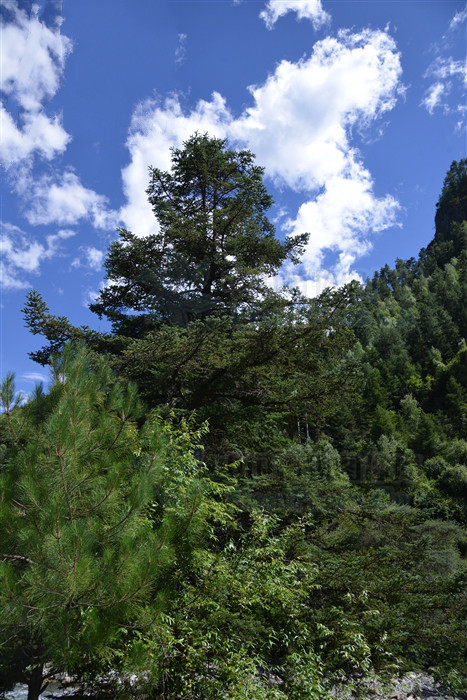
(92, 514)
(450, 237)
(58, 330)
(211, 252)
(315, 576)
(213, 247)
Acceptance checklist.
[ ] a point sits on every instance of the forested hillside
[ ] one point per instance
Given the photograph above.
(237, 492)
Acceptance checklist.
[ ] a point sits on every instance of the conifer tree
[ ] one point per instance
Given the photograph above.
(84, 552)
(213, 248)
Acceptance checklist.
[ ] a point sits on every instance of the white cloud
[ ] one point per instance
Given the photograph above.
(20, 254)
(341, 219)
(433, 97)
(180, 51)
(300, 122)
(64, 200)
(300, 128)
(444, 68)
(38, 134)
(33, 57)
(34, 377)
(305, 9)
(448, 75)
(93, 258)
(458, 19)
(91, 295)
(155, 127)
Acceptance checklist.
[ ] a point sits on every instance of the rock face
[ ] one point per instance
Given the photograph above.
(413, 686)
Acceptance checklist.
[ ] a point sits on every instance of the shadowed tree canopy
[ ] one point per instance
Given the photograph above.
(96, 511)
(450, 238)
(213, 247)
(336, 428)
(452, 205)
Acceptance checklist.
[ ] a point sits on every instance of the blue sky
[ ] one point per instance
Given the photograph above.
(355, 109)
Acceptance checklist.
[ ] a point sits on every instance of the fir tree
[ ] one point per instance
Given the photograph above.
(213, 247)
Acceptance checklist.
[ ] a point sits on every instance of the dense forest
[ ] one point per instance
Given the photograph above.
(237, 492)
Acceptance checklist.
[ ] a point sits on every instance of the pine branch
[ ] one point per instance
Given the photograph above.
(17, 557)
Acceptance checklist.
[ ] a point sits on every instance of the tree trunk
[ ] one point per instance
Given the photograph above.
(35, 686)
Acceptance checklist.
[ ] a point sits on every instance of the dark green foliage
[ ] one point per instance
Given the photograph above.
(260, 377)
(395, 582)
(57, 329)
(85, 552)
(324, 535)
(212, 249)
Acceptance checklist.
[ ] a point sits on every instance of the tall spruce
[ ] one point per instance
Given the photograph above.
(213, 247)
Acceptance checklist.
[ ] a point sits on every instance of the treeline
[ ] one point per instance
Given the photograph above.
(237, 492)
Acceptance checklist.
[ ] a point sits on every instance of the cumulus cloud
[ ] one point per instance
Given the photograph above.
(33, 58)
(299, 125)
(341, 218)
(21, 254)
(37, 134)
(63, 199)
(305, 9)
(156, 126)
(300, 128)
(91, 295)
(94, 258)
